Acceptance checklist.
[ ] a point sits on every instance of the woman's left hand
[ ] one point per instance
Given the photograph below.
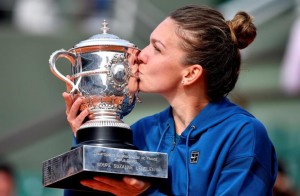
(127, 186)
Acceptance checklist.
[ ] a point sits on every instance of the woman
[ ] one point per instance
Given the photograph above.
(214, 147)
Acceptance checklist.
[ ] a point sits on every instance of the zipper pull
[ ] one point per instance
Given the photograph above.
(174, 142)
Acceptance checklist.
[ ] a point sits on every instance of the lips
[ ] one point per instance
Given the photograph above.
(138, 72)
(137, 75)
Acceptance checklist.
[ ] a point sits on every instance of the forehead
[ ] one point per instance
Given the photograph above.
(165, 31)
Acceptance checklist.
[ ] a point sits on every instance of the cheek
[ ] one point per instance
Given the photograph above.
(154, 70)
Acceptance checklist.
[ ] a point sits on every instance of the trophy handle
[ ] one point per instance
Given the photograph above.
(63, 54)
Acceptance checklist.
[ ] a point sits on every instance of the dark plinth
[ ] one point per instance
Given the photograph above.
(111, 137)
(86, 161)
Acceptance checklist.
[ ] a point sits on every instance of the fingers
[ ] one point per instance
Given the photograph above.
(81, 117)
(126, 187)
(74, 118)
(96, 185)
(107, 180)
(68, 100)
(76, 121)
(68, 97)
(138, 184)
(73, 111)
(129, 185)
(68, 86)
(73, 104)
(133, 83)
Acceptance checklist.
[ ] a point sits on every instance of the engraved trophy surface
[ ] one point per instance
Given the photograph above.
(103, 75)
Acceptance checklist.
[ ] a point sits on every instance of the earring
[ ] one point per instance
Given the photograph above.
(182, 82)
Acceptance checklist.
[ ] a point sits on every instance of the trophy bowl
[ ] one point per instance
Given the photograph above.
(103, 74)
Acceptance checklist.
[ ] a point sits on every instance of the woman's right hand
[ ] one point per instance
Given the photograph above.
(74, 117)
(128, 186)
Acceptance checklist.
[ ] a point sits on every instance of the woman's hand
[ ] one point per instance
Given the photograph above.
(74, 118)
(73, 103)
(128, 186)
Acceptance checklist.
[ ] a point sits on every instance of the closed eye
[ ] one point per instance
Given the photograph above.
(156, 48)
(157, 45)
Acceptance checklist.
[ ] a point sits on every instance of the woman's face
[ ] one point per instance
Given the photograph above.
(160, 68)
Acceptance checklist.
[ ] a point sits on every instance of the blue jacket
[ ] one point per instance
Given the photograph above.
(224, 151)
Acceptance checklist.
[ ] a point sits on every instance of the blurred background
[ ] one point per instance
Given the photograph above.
(33, 126)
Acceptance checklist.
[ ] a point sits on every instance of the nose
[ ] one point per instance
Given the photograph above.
(142, 56)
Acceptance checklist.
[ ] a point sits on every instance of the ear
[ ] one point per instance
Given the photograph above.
(191, 74)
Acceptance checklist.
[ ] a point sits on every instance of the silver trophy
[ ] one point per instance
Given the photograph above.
(103, 75)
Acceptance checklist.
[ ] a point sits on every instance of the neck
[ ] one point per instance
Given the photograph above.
(185, 112)
(186, 102)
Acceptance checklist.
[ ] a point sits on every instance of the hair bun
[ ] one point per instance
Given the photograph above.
(243, 31)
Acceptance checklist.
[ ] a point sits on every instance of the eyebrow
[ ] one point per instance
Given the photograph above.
(153, 40)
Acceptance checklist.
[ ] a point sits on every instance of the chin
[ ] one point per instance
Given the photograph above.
(143, 89)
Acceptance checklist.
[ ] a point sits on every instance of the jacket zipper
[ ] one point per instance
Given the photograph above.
(174, 141)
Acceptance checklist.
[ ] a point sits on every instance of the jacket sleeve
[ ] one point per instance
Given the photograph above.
(244, 176)
(251, 164)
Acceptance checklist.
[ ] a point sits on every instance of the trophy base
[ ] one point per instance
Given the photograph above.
(87, 161)
(111, 137)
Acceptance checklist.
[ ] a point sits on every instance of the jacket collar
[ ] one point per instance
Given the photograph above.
(212, 114)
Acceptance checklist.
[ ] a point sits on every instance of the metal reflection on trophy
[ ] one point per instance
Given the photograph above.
(103, 75)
